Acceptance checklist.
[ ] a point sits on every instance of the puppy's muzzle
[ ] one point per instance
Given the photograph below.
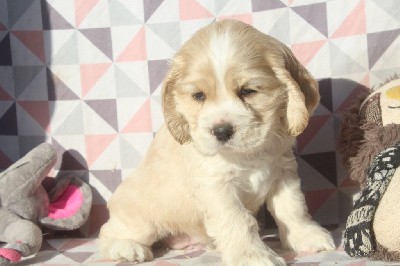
(223, 132)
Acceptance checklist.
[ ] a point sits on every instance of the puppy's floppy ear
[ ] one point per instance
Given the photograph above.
(302, 92)
(176, 123)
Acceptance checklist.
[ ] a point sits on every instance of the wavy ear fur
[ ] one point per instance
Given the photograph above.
(302, 91)
(176, 123)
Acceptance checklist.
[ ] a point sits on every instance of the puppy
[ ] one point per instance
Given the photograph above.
(233, 99)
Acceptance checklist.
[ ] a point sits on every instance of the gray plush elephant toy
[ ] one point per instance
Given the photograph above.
(25, 205)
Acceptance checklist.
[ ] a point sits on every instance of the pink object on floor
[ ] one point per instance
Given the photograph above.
(67, 204)
(10, 254)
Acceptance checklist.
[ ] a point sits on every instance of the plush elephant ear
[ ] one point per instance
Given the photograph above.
(70, 204)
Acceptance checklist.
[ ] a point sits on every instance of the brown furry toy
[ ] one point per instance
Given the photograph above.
(369, 141)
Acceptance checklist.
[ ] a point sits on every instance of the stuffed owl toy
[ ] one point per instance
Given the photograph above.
(369, 141)
(26, 206)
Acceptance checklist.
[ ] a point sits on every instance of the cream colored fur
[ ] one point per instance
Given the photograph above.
(190, 183)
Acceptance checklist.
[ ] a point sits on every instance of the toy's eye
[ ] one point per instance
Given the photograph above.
(246, 92)
(199, 96)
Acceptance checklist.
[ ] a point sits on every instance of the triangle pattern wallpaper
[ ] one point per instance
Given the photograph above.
(85, 75)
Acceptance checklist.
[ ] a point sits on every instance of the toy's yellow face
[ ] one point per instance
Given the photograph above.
(390, 105)
(383, 105)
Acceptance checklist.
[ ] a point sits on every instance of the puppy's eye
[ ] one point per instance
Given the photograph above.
(246, 92)
(199, 96)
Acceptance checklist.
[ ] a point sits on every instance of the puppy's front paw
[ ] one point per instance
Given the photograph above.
(128, 250)
(310, 238)
(256, 258)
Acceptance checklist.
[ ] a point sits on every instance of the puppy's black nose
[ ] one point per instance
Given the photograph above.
(223, 132)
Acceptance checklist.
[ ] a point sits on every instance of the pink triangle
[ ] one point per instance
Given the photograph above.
(82, 9)
(304, 52)
(33, 40)
(4, 95)
(136, 49)
(246, 18)
(90, 74)
(191, 9)
(38, 110)
(2, 27)
(354, 24)
(290, 1)
(141, 121)
(96, 144)
(315, 199)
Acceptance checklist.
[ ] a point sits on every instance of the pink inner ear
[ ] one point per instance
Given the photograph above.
(67, 204)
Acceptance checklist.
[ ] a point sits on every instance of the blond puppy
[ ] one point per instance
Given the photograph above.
(233, 99)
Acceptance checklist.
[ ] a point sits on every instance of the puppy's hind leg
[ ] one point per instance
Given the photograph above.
(122, 243)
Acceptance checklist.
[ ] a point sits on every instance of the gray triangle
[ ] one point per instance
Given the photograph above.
(7, 80)
(109, 178)
(72, 124)
(169, 32)
(27, 143)
(378, 43)
(281, 28)
(125, 86)
(51, 19)
(23, 76)
(101, 38)
(106, 109)
(16, 9)
(391, 7)
(68, 53)
(315, 15)
(260, 5)
(37, 88)
(130, 158)
(3, 15)
(150, 6)
(120, 15)
(29, 19)
(341, 63)
(27, 125)
(157, 70)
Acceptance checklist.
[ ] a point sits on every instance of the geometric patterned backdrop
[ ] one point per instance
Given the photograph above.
(85, 76)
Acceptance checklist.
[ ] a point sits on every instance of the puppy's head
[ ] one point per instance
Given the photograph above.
(231, 87)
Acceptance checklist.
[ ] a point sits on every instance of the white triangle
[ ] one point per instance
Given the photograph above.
(27, 125)
(156, 47)
(4, 106)
(377, 77)
(121, 36)
(139, 141)
(126, 172)
(342, 63)
(69, 75)
(109, 158)
(210, 6)
(351, 47)
(320, 65)
(168, 11)
(97, 17)
(7, 80)
(300, 30)
(3, 13)
(30, 20)
(390, 58)
(157, 117)
(189, 27)
(36, 89)
(104, 87)
(379, 20)
(135, 7)
(10, 147)
(267, 22)
(233, 7)
(55, 40)
(127, 108)
(138, 72)
(93, 123)
(21, 55)
(60, 111)
(73, 142)
(337, 12)
(89, 53)
(66, 9)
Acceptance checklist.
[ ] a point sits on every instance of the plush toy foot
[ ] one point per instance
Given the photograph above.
(8, 255)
